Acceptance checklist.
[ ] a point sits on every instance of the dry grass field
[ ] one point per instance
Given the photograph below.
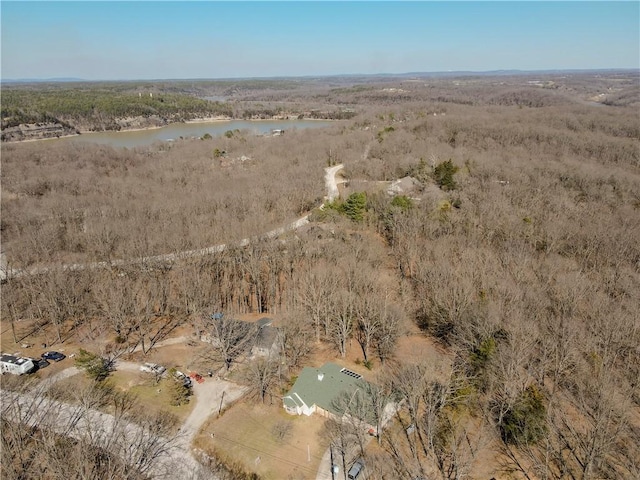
(266, 440)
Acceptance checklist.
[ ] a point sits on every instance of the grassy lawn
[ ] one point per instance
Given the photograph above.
(248, 433)
(154, 397)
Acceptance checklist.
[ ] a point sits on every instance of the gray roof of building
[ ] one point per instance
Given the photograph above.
(266, 336)
(264, 321)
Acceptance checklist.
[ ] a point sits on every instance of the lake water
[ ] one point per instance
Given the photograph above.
(216, 98)
(174, 131)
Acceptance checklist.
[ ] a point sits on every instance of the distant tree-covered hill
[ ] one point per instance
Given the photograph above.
(98, 108)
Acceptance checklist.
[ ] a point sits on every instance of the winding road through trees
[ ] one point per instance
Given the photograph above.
(6, 272)
(171, 456)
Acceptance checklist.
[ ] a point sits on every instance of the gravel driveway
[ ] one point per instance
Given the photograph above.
(207, 397)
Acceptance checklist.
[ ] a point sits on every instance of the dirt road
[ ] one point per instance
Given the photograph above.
(330, 182)
(332, 193)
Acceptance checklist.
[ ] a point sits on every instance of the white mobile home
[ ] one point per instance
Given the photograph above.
(15, 365)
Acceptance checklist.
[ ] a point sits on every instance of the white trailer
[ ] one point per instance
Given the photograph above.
(16, 365)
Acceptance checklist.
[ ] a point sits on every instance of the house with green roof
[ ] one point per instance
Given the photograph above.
(317, 390)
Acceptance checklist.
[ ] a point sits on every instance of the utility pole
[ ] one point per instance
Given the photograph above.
(333, 470)
(221, 400)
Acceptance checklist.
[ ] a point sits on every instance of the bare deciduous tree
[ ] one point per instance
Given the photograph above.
(43, 437)
(261, 375)
(315, 288)
(295, 337)
(389, 332)
(229, 337)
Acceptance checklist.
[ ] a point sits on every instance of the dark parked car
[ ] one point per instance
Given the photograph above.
(181, 377)
(40, 363)
(55, 356)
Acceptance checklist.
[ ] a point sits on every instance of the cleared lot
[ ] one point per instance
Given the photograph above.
(266, 440)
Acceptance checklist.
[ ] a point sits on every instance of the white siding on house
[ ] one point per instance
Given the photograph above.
(15, 365)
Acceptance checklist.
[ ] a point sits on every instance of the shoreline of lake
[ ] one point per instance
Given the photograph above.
(84, 134)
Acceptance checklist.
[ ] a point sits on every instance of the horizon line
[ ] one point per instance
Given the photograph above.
(280, 77)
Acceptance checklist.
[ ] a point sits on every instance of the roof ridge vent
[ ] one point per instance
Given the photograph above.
(350, 373)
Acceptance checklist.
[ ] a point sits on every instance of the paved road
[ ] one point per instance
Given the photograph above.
(175, 458)
(332, 193)
(324, 469)
(61, 375)
(160, 457)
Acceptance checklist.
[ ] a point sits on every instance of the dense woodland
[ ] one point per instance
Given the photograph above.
(517, 252)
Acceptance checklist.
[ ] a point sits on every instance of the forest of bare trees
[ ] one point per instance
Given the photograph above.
(43, 437)
(523, 266)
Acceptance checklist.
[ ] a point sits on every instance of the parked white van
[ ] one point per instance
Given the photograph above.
(16, 365)
(356, 469)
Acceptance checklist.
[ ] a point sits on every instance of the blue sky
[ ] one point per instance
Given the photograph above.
(154, 40)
